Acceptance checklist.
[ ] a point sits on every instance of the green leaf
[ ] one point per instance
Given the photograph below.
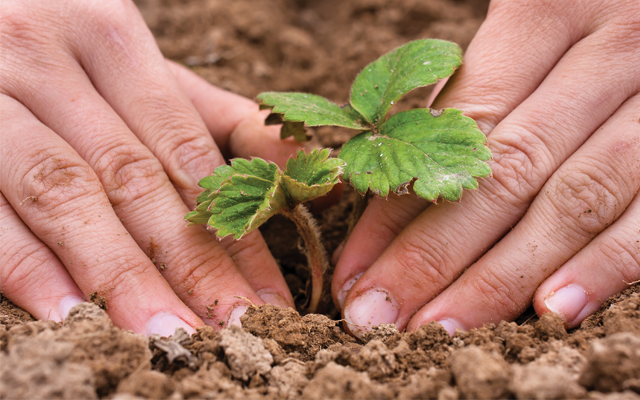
(198, 217)
(312, 175)
(383, 82)
(240, 197)
(289, 128)
(295, 129)
(311, 109)
(443, 151)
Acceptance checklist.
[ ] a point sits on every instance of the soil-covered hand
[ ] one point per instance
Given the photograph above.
(554, 85)
(102, 144)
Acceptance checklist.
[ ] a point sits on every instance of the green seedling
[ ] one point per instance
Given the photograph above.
(440, 152)
(241, 197)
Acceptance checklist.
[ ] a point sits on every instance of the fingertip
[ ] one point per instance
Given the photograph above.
(235, 314)
(328, 200)
(252, 138)
(165, 324)
(571, 302)
(341, 294)
(67, 303)
(337, 253)
(274, 298)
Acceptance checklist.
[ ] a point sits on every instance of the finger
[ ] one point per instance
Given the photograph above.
(608, 265)
(381, 222)
(511, 54)
(264, 277)
(66, 204)
(31, 276)
(587, 194)
(527, 147)
(222, 111)
(492, 82)
(235, 122)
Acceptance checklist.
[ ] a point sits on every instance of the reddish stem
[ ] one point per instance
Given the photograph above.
(316, 254)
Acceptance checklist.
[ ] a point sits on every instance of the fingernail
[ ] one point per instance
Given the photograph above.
(372, 308)
(67, 303)
(165, 324)
(270, 297)
(342, 294)
(567, 302)
(450, 325)
(236, 313)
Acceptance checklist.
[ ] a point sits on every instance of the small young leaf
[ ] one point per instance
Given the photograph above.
(312, 175)
(311, 109)
(443, 151)
(250, 195)
(241, 197)
(383, 82)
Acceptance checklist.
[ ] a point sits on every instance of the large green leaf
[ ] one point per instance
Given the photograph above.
(443, 151)
(383, 82)
(311, 109)
(312, 175)
(241, 197)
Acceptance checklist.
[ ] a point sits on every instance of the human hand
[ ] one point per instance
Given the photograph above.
(554, 85)
(101, 146)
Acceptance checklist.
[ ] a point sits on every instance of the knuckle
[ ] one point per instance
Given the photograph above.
(129, 172)
(181, 140)
(588, 195)
(249, 248)
(14, 21)
(17, 30)
(17, 270)
(57, 180)
(421, 263)
(515, 166)
(117, 279)
(496, 291)
(203, 269)
(628, 30)
(103, 13)
(624, 255)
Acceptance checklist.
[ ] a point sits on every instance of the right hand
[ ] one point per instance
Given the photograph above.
(101, 148)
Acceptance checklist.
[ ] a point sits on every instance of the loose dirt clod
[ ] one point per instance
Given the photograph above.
(245, 353)
(544, 383)
(337, 382)
(613, 363)
(490, 381)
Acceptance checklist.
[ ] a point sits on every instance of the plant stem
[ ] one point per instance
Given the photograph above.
(315, 252)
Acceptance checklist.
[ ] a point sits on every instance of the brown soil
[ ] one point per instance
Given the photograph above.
(249, 46)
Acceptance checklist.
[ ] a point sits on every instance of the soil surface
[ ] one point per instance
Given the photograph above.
(249, 46)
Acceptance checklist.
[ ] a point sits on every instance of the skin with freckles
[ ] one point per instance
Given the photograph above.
(102, 144)
(554, 85)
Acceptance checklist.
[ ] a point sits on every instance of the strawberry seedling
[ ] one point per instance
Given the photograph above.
(241, 197)
(440, 152)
